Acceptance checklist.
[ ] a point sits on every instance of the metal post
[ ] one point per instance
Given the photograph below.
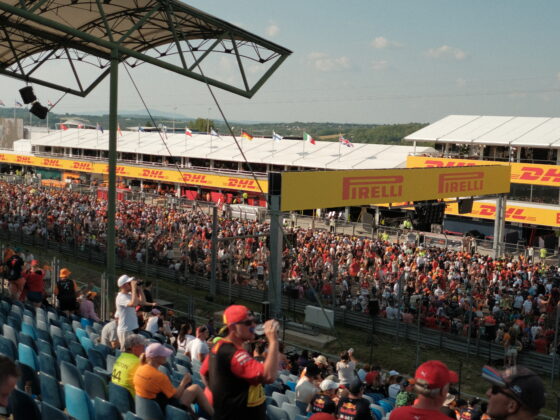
(499, 224)
(214, 256)
(334, 278)
(555, 349)
(112, 187)
(275, 279)
(418, 332)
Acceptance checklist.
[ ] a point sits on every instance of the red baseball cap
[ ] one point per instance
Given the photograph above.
(322, 416)
(435, 374)
(235, 313)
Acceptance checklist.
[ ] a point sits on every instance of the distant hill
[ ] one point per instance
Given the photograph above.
(359, 133)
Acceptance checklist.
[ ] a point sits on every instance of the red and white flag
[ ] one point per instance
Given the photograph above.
(345, 142)
(63, 127)
(307, 137)
(188, 131)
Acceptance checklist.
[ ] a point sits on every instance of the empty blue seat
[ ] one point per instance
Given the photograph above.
(28, 356)
(83, 364)
(23, 406)
(76, 348)
(387, 406)
(292, 410)
(54, 330)
(149, 409)
(86, 343)
(95, 386)
(29, 330)
(69, 374)
(28, 340)
(70, 337)
(96, 358)
(10, 333)
(58, 341)
(8, 347)
(377, 413)
(120, 396)
(44, 347)
(48, 412)
(174, 413)
(78, 404)
(131, 416)
(42, 326)
(28, 377)
(275, 413)
(50, 391)
(105, 410)
(81, 333)
(63, 355)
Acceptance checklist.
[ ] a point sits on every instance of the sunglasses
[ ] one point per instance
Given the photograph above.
(499, 390)
(248, 322)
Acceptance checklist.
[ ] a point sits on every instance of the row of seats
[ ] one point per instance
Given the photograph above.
(64, 373)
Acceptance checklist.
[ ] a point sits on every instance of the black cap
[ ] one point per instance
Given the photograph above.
(356, 386)
(312, 370)
(525, 384)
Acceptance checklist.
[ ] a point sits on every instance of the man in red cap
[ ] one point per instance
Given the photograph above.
(432, 385)
(233, 376)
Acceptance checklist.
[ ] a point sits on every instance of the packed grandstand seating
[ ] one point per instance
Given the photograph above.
(511, 301)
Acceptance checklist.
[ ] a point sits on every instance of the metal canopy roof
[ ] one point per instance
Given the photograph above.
(166, 33)
(537, 132)
(324, 155)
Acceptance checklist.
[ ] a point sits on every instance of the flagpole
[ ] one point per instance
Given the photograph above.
(303, 155)
(339, 142)
(273, 141)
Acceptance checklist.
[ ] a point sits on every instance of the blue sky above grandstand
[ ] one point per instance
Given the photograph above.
(371, 61)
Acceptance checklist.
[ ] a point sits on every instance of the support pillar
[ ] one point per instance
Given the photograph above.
(499, 224)
(112, 186)
(214, 262)
(276, 241)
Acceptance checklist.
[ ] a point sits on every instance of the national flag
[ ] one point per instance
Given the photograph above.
(19, 104)
(307, 137)
(119, 129)
(345, 142)
(2, 103)
(188, 132)
(276, 137)
(246, 135)
(100, 128)
(80, 126)
(49, 103)
(140, 129)
(213, 133)
(63, 127)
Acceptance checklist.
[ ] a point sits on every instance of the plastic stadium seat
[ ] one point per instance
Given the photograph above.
(378, 414)
(76, 348)
(17, 308)
(29, 330)
(28, 340)
(23, 406)
(387, 406)
(291, 409)
(148, 409)
(58, 341)
(270, 401)
(301, 417)
(44, 347)
(301, 406)
(275, 413)
(279, 398)
(95, 386)
(96, 358)
(69, 374)
(131, 416)
(81, 333)
(109, 362)
(48, 412)
(8, 347)
(291, 396)
(42, 325)
(370, 399)
(28, 377)
(70, 337)
(104, 410)
(291, 385)
(54, 330)
(86, 322)
(376, 396)
(50, 391)
(174, 413)
(28, 356)
(86, 343)
(78, 404)
(120, 396)
(63, 355)
(83, 364)
(10, 333)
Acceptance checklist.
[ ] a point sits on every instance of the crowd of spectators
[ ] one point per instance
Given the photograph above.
(511, 301)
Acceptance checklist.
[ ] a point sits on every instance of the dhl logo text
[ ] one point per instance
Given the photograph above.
(440, 164)
(195, 178)
(512, 213)
(54, 163)
(2, 156)
(361, 187)
(24, 159)
(153, 173)
(82, 166)
(465, 182)
(242, 183)
(531, 173)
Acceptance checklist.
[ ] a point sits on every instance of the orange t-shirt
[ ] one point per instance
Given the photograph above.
(148, 382)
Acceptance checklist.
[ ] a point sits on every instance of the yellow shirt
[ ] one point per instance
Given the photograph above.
(123, 371)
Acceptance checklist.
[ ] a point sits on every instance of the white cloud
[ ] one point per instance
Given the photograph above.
(272, 29)
(324, 62)
(558, 75)
(445, 51)
(460, 82)
(381, 42)
(379, 65)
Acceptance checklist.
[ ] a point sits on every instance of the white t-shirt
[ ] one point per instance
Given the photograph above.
(345, 372)
(182, 345)
(128, 320)
(152, 324)
(197, 347)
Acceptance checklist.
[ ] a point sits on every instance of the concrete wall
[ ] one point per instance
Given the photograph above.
(10, 130)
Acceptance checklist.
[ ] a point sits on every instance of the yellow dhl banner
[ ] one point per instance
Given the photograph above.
(514, 213)
(324, 189)
(521, 173)
(129, 171)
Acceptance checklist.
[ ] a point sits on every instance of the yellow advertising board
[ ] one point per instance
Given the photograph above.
(323, 189)
(514, 213)
(129, 171)
(521, 173)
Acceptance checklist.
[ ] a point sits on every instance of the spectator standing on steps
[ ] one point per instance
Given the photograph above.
(130, 295)
(66, 292)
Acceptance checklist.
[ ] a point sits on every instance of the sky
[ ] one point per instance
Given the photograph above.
(366, 61)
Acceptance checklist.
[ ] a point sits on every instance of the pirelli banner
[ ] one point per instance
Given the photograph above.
(171, 175)
(521, 173)
(323, 189)
(542, 215)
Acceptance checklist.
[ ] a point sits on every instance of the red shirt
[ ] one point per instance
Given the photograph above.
(410, 412)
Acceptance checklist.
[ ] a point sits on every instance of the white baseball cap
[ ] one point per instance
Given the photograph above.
(124, 279)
